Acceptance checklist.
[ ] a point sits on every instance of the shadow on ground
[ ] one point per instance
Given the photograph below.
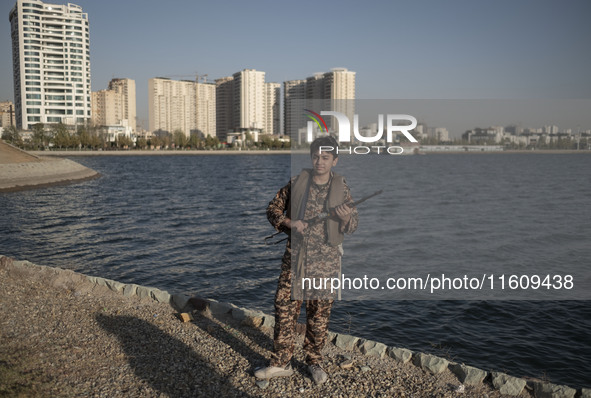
(167, 364)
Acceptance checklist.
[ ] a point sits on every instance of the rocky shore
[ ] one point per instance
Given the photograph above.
(21, 170)
(64, 334)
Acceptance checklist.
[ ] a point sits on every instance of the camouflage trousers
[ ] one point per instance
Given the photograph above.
(287, 312)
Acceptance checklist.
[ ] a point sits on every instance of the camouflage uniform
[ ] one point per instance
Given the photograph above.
(320, 260)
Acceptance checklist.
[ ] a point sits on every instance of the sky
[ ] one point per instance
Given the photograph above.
(507, 49)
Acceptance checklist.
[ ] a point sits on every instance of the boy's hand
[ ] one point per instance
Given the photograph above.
(299, 226)
(343, 212)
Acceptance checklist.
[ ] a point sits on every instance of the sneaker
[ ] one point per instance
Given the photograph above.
(273, 371)
(317, 373)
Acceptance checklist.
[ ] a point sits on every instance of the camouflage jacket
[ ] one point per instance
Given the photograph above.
(319, 258)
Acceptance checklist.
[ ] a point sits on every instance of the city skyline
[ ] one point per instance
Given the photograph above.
(429, 50)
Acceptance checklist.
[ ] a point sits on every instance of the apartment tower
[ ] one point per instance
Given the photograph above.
(249, 100)
(116, 105)
(183, 105)
(51, 63)
(334, 90)
(272, 110)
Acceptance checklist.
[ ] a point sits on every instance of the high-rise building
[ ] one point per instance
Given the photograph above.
(294, 101)
(7, 114)
(224, 100)
(125, 89)
(206, 109)
(272, 110)
(116, 105)
(249, 100)
(334, 90)
(105, 105)
(51, 63)
(183, 105)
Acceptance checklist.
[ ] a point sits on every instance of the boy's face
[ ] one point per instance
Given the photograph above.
(323, 162)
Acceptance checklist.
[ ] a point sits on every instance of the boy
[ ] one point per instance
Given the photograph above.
(316, 252)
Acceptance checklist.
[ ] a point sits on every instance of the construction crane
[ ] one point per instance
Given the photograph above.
(196, 75)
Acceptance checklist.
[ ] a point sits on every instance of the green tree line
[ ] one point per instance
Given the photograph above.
(59, 136)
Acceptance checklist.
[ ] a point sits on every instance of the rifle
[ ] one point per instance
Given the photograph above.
(323, 216)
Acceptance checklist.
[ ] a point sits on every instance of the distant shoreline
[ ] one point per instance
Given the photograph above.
(140, 152)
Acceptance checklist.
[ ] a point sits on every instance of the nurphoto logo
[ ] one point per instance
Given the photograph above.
(344, 132)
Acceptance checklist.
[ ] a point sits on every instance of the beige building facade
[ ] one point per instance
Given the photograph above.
(7, 116)
(116, 105)
(249, 100)
(182, 105)
(206, 109)
(334, 91)
(272, 108)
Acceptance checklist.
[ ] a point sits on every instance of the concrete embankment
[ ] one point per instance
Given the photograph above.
(126, 339)
(20, 170)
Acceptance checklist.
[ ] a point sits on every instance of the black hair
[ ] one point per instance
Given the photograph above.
(326, 141)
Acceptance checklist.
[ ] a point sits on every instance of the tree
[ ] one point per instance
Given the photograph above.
(266, 141)
(195, 141)
(61, 136)
(83, 137)
(12, 135)
(248, 139)
(39, 135)
(179, 138)
(141, 143)
(212, 142)
(123, 142)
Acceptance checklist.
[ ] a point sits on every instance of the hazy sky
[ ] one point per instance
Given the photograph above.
(399, 49)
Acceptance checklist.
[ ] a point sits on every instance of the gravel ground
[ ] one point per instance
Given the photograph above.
(63, 336)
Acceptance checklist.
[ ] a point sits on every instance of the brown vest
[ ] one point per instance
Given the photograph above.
(336, 197)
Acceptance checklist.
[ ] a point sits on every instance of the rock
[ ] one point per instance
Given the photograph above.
(240, 314)
(547, 390)
(330, 336)
(161, 296)
(400, 354)
(430, 363)
(144, 292)
(346, 341)
(179, 301)
(348, 364)
(129, 290)
(115, 286)
(372, 348)
(252, 321)
(468, 375)
(268, 321)
(218, 308)
(262, 384)
(365, 369)
(199, 304)
(585, 393)
(185, 317)
(506, 384)
(100, 281)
